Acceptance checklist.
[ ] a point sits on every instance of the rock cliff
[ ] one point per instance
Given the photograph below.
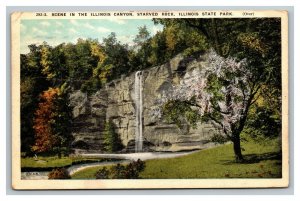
(116, 101)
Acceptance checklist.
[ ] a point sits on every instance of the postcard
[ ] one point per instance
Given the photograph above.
(150, 99)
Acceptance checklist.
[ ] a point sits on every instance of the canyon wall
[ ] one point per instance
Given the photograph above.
(116, 102)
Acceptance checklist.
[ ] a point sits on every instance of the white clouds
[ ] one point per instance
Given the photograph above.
(45, 23)
(58, 23)
(69, 30)
(39, 32)
(103, 30)
(99, 29)
(89, 26)
(74, 22)
(57, 32)
(127, 39)
(34, 29)
(73, 31)
(118, 21)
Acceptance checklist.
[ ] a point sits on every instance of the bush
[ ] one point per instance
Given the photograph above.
(139, 165)
(130, 171)
(117, 172)
(262, 124)
(102, 173)
(59, 173)
(218, 139)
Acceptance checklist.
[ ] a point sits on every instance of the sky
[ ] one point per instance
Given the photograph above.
(57, 31)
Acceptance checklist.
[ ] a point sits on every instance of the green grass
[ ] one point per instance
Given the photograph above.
(88, 173)
(53, 161)
(261, 161)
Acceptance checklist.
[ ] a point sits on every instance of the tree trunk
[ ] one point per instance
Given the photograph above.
(237, 149)
(216, 37)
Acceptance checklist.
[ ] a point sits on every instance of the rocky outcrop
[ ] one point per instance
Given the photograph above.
(116, 102)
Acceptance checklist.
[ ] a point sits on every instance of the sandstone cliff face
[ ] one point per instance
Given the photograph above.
(117, 102)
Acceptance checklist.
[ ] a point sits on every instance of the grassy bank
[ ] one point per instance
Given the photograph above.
(54, 161)
(88, 173)
(262, 161)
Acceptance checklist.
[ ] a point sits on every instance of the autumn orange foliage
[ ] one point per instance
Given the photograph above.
(44, 117)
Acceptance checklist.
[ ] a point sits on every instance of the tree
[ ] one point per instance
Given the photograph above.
(52, 123)
(142, 48)
(221, 92)
(53, 63)
(142, 36)
(33, 82)
(117, 60)
(44, 116)
(244, 66)
(111, 140)
(80, 62)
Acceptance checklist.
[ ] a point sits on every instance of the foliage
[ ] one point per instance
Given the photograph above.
(81, 59)
(102, 173)
(51, 123)
(44, 137)
(117, 62)
(119, 171)
(32, 84)
(238, 71)
(59, 173)
(180, 113)
(218, 139)
(220, 92)
(111, 141)
(263, 123)
(130, 171)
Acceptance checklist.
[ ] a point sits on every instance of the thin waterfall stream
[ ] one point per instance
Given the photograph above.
(138, 89)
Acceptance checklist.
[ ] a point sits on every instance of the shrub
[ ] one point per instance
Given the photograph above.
(102, 173)
(139, 165)
(130, 171)
(218, 139)
(117, 171)
(59, 173)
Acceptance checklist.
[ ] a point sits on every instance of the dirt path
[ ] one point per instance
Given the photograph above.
(142, 156)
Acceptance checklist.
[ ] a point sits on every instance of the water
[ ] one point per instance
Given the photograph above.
(138, 89)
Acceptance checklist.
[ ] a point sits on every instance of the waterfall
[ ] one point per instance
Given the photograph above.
(138, 89)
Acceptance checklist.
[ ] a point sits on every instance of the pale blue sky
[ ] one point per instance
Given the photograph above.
(55, 32)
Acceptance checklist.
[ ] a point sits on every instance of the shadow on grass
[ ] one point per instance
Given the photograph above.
(255, 158)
